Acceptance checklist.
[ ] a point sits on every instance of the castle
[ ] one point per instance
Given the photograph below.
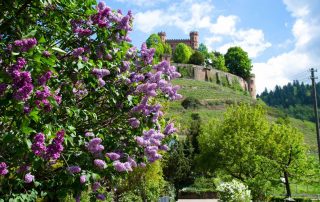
(193, 42)
(203, 73)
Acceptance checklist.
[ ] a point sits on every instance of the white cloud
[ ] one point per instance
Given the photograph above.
(225, 25)
(278, 70)
(149, 20)
(250, 40)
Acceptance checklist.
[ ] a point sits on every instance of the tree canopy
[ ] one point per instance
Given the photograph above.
(238, 62)
(79, 105)
(197, 58)
(154, 41)
(182, 53)
(247, 147)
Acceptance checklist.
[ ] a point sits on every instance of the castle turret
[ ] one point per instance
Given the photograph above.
(252, 86)
(194, 40)
(163, 36)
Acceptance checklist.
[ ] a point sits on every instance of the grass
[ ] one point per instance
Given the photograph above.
(214, 101)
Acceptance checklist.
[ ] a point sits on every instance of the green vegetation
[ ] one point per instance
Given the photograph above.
(154, 41)
(238, 62)
(197, 58)
(182, 53)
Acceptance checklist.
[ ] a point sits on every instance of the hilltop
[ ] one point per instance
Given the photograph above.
(214, 100)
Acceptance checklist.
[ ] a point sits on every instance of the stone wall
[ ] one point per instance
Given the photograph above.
(213, 75)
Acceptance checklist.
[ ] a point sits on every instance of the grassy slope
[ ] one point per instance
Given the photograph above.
(215, 100)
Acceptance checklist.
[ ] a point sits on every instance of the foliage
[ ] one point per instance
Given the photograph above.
(294, 99)
(154, 41)
(197, 58)
(79, 105)
(217, 61)
(203, 49)
(161, 48)
(247, 147)
(191, 102)
(182, 53)
(178, 165)
(238, 62)
(234, 191)
(129, 197)
(186, 71)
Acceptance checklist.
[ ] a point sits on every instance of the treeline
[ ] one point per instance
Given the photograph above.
(295, 99)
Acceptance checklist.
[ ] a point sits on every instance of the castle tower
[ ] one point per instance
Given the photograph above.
(252, 86)
(194, 39)
(163, 36)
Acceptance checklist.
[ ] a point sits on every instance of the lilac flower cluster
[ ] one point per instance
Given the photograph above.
(78, 27)
(53, 151)
(101, 197)
(22, 81)
(100, 73)
(101, 164)
(113, 156)
(94, 146)
(148, 109)
(55, 148)
(3, 88)
(25, 44)
(28, 178)
(38, 146)
(151, 141)
(42, 96)
(3, 168)
(96, 186)
(134, 122)
(46, 54)
(106, 18)
(126, 166)
(42, 80)
(77, 52)
(74, 169)
(147, 54)
(83, 179)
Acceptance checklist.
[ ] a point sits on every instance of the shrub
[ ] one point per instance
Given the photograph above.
(191, 102)
(234, 191)
(196, 58)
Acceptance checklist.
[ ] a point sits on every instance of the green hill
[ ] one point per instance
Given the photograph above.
(213, 101)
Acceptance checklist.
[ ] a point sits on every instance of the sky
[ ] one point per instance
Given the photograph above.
(282, 37)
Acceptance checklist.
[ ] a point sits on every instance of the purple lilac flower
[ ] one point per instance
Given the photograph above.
(42, 80)
(55, 148)
(100, 163)
(96, 186)
(74, 169)
(83, 179)
(101, 197)
(132, 162)
(23, 84)
(89, 134)
(100, 73)
(120, 167)
(169, 129)
(164, 147)
(25, 44)
(38, 146)
(28, 178)
(134, 122)
(82, 31)
(94, 146)
(113, 156)
(26, 109)
(77, 52)
(147, 54)
(46, 54)
(43, 94)
(143, 165)
(3, 168)
(3, 88)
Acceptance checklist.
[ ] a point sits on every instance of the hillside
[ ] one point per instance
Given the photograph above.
(214, 99)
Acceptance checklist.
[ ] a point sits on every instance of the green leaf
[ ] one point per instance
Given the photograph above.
(30, 34)
(34, 115)
(15, 53)
(27, 130)
(59, 50)
(42, 40)
(80, 65)
(28, 142)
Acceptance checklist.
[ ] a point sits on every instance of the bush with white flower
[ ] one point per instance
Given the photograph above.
(234, 191)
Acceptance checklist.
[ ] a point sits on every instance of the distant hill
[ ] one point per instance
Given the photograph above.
(210, 100)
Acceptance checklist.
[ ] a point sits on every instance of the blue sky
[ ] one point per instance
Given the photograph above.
(282, 37)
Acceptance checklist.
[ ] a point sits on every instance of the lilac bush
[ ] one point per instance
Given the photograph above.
(79, 105)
